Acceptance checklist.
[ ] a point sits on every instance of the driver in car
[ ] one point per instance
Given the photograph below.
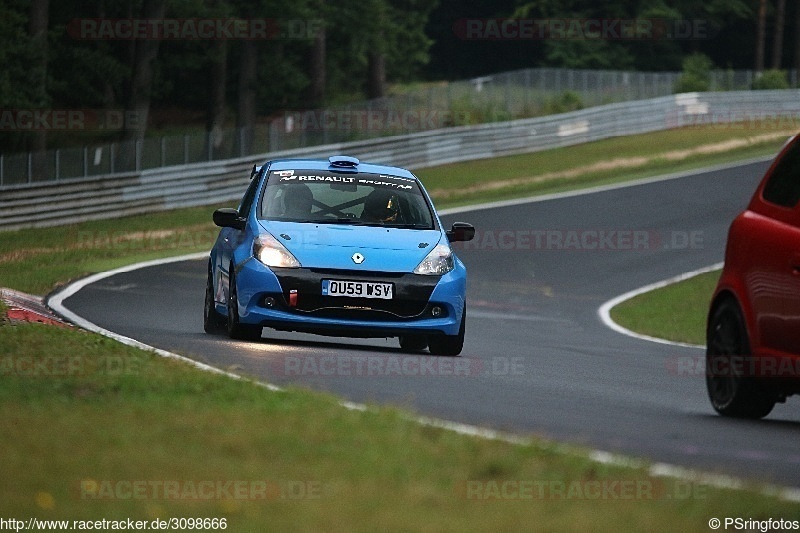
(381, 206)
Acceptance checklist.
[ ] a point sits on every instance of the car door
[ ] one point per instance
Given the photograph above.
(774, 274)
(792, 309)
(230, 238)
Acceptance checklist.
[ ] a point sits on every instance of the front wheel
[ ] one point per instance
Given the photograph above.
(449, 344)
(212, 320)
(237, 330)
(731, 391)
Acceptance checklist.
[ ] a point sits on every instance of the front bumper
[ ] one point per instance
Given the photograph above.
(422, 305)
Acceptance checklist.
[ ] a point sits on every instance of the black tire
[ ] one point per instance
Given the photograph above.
(449, 344)
(237, 330)
(413, 343)
(213, 322)
(731, 391)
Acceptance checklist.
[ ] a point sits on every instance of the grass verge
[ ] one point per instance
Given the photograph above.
(98, 430)
(603, 162)
(676, 312)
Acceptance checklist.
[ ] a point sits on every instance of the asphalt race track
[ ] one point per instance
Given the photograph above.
(537, 358)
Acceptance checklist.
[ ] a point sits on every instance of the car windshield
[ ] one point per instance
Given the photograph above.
(326, 197)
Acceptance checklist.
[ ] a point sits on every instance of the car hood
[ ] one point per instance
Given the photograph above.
(334, 245)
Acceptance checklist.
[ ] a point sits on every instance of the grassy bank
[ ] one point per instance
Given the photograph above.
(98, 430)
(598, 163)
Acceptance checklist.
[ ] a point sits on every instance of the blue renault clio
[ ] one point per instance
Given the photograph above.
(341, 248)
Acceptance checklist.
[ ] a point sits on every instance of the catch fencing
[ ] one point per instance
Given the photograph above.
(499, 97)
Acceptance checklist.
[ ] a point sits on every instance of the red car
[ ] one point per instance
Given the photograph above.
(753, 331)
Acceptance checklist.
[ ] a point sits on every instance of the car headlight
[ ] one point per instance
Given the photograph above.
(438, 262)
(272, 253)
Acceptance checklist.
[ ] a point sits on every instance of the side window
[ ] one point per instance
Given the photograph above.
(249, 196)
(783, 187)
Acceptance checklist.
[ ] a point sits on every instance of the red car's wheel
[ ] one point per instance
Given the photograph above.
(731, 390)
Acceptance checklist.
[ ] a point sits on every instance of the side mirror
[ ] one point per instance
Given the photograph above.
(461, 232)
(229, 218)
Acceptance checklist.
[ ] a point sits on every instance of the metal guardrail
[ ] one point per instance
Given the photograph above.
(69, 201)
(498, 97)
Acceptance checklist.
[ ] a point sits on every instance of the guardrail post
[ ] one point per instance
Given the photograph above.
(58, 165)
(30, 167)
(111, 157)
(163, 151)
(138, 147)
(85, 161)
(2, 161)
(209, 141)
(185, 149)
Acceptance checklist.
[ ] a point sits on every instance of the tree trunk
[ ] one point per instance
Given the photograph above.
(797, 41)
(141, 86)
(246, 105)
(218, 79)
(777, 43)
(376, 75)
(317, 65)
(37, 29)
(761, 35)
(109, 97)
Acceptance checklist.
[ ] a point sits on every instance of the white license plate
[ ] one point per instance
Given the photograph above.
(357, 289)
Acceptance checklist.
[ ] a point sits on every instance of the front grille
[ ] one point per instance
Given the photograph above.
(360, 307)
(411, 294)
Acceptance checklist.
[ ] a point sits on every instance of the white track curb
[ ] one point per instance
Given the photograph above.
(604, 312)
(56, 302)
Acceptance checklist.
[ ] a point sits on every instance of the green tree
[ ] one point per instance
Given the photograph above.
(388, 43)
(675, 27)
(696, 75)
(16, 54)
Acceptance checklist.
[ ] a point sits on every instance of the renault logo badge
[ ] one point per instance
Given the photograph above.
(358, 258)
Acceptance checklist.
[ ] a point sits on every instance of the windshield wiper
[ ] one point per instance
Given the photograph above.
(340, 220)
(408, 226)
(358, 222)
